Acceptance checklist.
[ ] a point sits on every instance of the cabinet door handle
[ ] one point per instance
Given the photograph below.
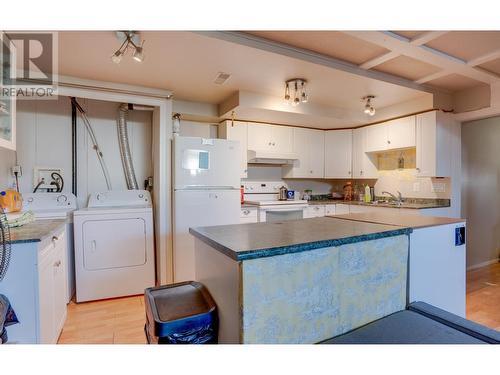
(246, 212)
(269, 143)
(349, 172)
(274, 144)
(57, 264)
(418, 170)
(389, 142)
(55, 238)
(361, 173)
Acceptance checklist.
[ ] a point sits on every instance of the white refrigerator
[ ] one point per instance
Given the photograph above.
(206, 193)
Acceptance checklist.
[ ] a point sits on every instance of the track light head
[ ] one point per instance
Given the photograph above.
(138, 54)
(117, 57)
(369, 109)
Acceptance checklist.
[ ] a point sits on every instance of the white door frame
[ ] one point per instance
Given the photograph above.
(162, 135)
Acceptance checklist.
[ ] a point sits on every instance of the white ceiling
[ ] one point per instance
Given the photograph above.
(187, 64)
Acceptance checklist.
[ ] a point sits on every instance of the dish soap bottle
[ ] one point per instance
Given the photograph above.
(367, 194)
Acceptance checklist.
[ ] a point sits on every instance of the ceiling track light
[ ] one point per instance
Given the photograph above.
(295, 91)
(369, 109)
(130, 41)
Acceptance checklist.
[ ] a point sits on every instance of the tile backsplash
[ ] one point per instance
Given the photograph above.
(390, 179)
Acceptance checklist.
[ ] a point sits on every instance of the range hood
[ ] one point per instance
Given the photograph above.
(265, 157)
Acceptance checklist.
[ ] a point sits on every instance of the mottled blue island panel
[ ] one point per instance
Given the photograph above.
(311, 296)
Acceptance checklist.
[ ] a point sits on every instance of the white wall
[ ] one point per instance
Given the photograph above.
(7, 160)
(481, 189)
(198, 129)
(44, 139)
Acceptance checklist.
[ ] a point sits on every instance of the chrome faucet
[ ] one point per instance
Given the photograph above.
(398, 199)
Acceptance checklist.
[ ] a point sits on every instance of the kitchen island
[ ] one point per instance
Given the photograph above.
(301, 281)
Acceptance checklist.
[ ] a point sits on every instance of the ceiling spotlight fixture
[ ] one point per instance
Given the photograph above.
(297, 87)
(130, 41)
(369, 110)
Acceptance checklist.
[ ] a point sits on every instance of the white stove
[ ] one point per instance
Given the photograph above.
(264, 195)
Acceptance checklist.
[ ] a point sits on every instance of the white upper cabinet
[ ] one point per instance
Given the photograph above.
(309, 145)
(338, 154)
(394, 134)
(237, 131)
(434, 140)
(7, 107)
(376, 138)
(270, 138)
(363, 165)
(401, 133)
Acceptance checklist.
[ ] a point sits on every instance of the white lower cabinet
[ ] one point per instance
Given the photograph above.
(249, 215)
(329, 209)
(35, 285)
(314, 211)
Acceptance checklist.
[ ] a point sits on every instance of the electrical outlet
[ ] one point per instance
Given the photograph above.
(416, 187)
(438, 187)
(16, 169)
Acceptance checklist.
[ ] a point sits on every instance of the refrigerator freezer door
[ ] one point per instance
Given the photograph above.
(198, 208)
(200, 162)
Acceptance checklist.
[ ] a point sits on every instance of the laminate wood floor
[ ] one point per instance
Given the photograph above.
(112, 321)
(121, 320)
(483, 296)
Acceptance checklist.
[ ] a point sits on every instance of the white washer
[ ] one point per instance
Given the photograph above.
(49, 206)
(114, 245)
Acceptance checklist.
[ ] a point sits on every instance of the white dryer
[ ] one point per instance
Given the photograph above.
(114, 245)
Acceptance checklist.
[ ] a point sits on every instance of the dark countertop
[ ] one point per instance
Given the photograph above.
(417, 206)
(35, 231)
(407, 221)
(259, 240)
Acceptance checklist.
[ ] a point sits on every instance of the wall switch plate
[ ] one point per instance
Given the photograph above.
(438, 187)
(416, 187)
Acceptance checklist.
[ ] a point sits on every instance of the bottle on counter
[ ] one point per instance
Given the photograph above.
(368, 196)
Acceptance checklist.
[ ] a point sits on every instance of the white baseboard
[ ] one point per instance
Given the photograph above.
(483, 264)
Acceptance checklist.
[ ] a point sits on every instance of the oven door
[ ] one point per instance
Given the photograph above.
(280, 213)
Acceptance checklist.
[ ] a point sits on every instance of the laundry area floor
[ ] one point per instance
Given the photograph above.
(112, 321)
(121, 320)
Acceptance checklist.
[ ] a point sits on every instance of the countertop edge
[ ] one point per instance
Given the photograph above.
(296, 248)
(60, 223)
